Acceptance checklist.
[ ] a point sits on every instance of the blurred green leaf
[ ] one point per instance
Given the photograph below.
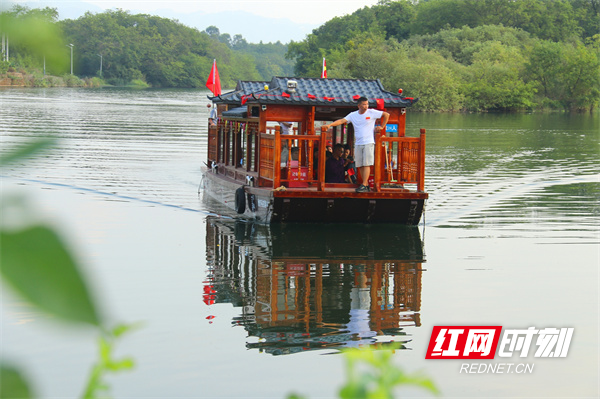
(12, 384)
(37, 264)
(27, 150)
(123, 364)
(36, 31)
(372, 374)
(96, 387)
(122, 329)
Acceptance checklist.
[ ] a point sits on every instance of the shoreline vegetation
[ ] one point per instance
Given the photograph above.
(33, 79)
(454, 55)
(36, 79)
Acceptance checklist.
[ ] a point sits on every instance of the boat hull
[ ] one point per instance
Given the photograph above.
(347, 210)
(305, 206)
(258, 203)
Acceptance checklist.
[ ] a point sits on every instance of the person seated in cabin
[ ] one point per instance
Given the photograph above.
(335, 166)
(350, 169)
(294, 161)
(346, 151)
(328, 150)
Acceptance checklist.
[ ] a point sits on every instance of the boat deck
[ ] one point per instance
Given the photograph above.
(337, 192)
(329, 190)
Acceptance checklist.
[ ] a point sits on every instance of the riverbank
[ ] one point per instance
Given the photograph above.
(21, 79)
(13, 78)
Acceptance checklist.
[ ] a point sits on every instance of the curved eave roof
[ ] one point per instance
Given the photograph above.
(243, 88)
(317, 92)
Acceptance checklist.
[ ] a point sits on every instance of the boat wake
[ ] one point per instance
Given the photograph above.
(484, 197)
(117, 196)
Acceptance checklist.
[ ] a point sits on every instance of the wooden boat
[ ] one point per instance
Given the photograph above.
(304, 286)
(247, 167)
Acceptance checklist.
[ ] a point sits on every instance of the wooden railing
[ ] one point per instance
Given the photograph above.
(399, 161)
(299, 170)
(304, 171)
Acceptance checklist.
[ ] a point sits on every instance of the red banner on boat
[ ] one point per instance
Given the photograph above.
(214, 81)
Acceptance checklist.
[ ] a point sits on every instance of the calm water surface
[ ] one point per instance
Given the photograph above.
(510, 237)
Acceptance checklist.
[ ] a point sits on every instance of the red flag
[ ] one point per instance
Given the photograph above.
(324, 73)
(214, 81)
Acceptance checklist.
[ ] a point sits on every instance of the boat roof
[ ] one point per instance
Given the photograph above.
(313, 91)
(243, 88)
(237, 112)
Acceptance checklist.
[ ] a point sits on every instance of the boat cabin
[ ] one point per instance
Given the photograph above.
(248, 143)
(268, 146)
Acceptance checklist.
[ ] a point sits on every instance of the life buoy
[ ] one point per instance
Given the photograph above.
(240, 200)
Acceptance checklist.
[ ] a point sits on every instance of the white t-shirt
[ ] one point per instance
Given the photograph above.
(364, 125)
(285, 129)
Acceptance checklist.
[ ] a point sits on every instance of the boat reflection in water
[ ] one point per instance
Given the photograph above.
(315, 286)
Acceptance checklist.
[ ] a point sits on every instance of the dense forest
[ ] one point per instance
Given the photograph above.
(475, 55)
(466, 54)
(120, 47)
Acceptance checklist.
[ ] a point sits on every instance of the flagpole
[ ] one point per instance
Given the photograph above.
(214, 70)
(214, 82)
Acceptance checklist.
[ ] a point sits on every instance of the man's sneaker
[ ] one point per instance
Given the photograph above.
(362, 189)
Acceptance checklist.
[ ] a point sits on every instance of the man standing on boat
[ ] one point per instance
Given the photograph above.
(363, 121)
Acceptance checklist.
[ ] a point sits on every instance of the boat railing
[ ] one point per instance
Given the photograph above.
(233, 143)
(291, 160)
(399, 161)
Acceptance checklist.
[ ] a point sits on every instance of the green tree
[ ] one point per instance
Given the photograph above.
(588, 16)
(432, 16)
(461, 44)
(580, 77)
(495, 80)
(395, 18)
(163, 52)
(568, 74)
(544, 66)
(435, 80)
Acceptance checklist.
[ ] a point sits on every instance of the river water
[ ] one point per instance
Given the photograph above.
(510, 238)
